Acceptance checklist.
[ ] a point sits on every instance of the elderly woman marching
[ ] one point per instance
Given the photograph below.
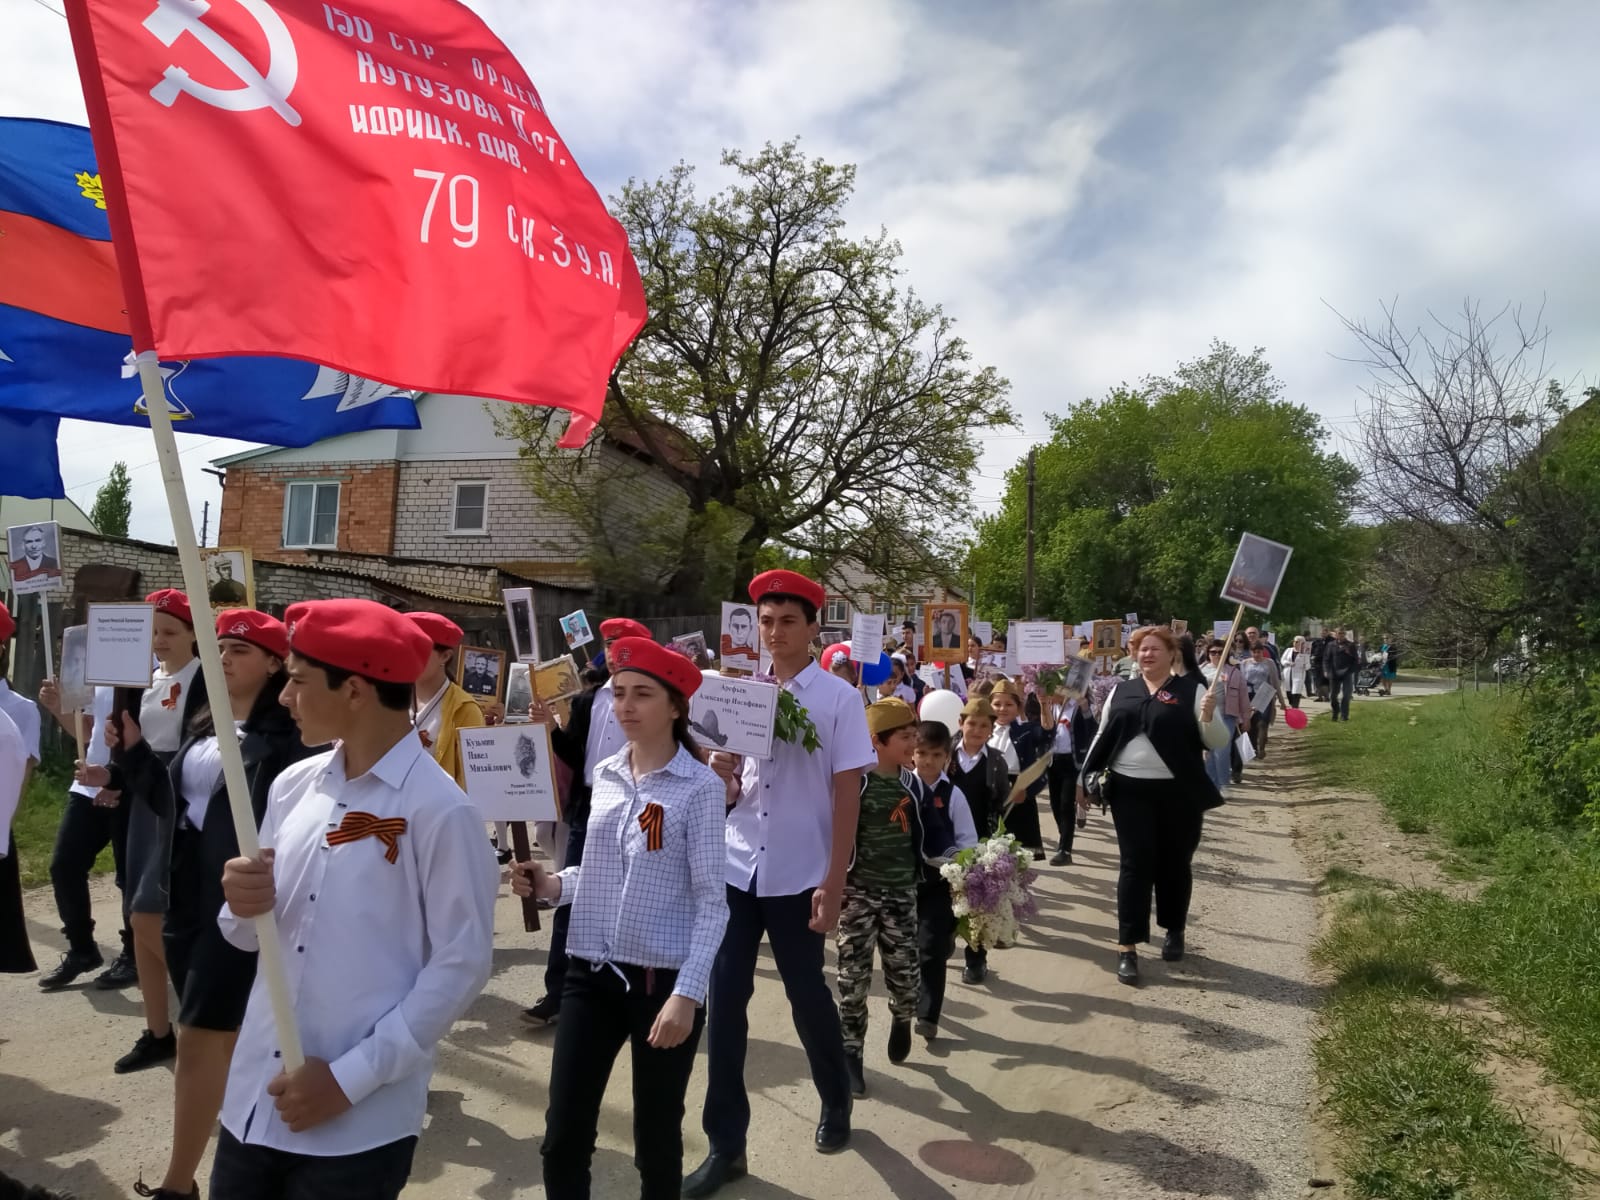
(1153, 734)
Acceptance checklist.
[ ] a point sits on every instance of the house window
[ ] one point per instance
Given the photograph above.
(838, 611)
(470, 513)
(311, 515)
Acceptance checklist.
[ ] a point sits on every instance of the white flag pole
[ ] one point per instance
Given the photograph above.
(270, 962)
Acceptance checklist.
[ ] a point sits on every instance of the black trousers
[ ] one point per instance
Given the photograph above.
(85, 830)
(936, 942)
(1158, 830)
(1061, 776)
(1342, 688)
(244, 1172)
(1022, 822)
(599, 1014)
(797, 951)
(555, 966)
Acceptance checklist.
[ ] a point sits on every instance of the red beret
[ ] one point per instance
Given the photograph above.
(788, 583)
(257, 628)
(442, 630)
(649, 658)
(624, 627)
(8, 624)
(360, 636)
(172, 602)
(837, 650)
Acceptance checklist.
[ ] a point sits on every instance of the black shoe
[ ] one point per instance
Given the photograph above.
(927, 1030)
(1038, 854)
(899, 1041)
(120, 974)
(1172, 948)
(833, 1131)
(545, 1012)
(503, 856)
(1128, 968)
(1061, 859)
(710, 1175)
(858, 1072)
(147, 1052)
(1238, 776)
(970, 974)
(73, 963)
(142, 1189)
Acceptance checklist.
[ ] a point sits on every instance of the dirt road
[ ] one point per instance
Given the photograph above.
(1049, 1081)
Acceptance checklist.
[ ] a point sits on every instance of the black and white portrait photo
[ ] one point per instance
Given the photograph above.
(480, 669)
(33, 553)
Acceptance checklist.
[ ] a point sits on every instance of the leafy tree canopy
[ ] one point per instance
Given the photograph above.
(113, 503)
(1141, 498)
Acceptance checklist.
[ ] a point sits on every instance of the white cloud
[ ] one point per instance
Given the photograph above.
(1093, 189)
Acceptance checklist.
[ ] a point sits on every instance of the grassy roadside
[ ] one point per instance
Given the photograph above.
(1402, 1069)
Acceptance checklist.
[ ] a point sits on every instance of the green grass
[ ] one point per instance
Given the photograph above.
(1529, 941)
(1404, 1078)
(33, 831)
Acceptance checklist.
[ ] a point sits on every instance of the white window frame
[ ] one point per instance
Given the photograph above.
(311, 527)
(843, 619)
(455, 507)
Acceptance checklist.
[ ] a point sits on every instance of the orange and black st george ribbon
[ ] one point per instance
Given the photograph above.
(651, 820)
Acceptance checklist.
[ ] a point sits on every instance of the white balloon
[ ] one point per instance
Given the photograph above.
(944, 707)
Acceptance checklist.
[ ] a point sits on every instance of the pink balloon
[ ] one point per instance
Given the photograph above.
(1295, 718)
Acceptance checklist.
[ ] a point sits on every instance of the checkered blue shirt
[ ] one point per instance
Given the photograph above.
(663, 908)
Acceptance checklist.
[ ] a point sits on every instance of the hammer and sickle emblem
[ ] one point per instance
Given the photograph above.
(174, 18)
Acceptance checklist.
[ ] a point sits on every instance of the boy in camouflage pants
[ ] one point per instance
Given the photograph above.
(880, 896)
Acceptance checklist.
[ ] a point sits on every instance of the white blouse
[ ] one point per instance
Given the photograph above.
(161, 708)
(1001, 741)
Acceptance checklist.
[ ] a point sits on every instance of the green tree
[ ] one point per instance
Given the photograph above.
(787, 383)
(1141, 498)
(113, 503)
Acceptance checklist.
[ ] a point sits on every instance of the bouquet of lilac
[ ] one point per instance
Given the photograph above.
(990, 888)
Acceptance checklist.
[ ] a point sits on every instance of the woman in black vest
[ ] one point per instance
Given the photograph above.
(1021, 742)
(1152, 741)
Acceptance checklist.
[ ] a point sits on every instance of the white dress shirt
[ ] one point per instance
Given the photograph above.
(605, 735)
(161, 707)
(967, 761)
(381, 957)
(786, 801)
(95, 752)
(961, 818)
(652, 908)
(1001, 741)
(429, 719)
(13, 766)
(24, 713)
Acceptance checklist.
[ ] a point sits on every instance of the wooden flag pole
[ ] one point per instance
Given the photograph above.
(270, 962)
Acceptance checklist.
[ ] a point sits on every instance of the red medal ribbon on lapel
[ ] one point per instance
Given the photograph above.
(901, 815)
(358, 825)
(651, 820)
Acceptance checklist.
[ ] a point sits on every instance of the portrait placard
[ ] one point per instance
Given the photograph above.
(944, 632)
(575, 627)
(480, 670)
(984, 632)
(524, 632)
(77, 693)
(557, 679)
(866, 636)
(1257, 572)
(508, 772)
(735, 715)
(230, 577)
(741, 650)
(1107, 637)
(33, 554)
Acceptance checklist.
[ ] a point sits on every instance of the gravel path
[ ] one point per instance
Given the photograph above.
(1049, 1081)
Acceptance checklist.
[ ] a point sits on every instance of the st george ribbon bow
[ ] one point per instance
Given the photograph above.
(358, 825)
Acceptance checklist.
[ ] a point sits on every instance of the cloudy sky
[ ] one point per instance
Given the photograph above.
(1094, 188)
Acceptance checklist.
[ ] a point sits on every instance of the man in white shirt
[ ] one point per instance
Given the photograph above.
(790, 832)
(16, 955)
(383, 888)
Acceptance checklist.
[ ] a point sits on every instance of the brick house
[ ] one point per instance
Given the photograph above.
(453, 491)
(852, 589)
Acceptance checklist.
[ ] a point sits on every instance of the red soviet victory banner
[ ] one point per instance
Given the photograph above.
(377, 189)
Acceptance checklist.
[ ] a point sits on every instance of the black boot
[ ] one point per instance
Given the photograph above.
(1172, 948)
(709, 1176)
(858, 1072)
(899, 1041)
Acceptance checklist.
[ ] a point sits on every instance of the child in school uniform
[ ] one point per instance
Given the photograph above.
(979, 770)
(947, 827)
(880, 895)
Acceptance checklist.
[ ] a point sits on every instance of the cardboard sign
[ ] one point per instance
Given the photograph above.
(867, 632)
(575, 627)
(508, 772)
(1221, 629)
(735, 715)
(1079, 675)
(1071, 647)
(524, 632)
(119, 645)
(1131, 619)
(1257, 572)
(741, 648)
(519, 693)
(1038, 643)
(77, 693)
(557, 679)
(691, 645)
(33, 554)
(984, 632)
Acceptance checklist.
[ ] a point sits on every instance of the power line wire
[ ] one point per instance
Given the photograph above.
(50, 8)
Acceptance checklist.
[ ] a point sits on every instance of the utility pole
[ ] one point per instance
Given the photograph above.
(205, 521)
(1028, 595)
